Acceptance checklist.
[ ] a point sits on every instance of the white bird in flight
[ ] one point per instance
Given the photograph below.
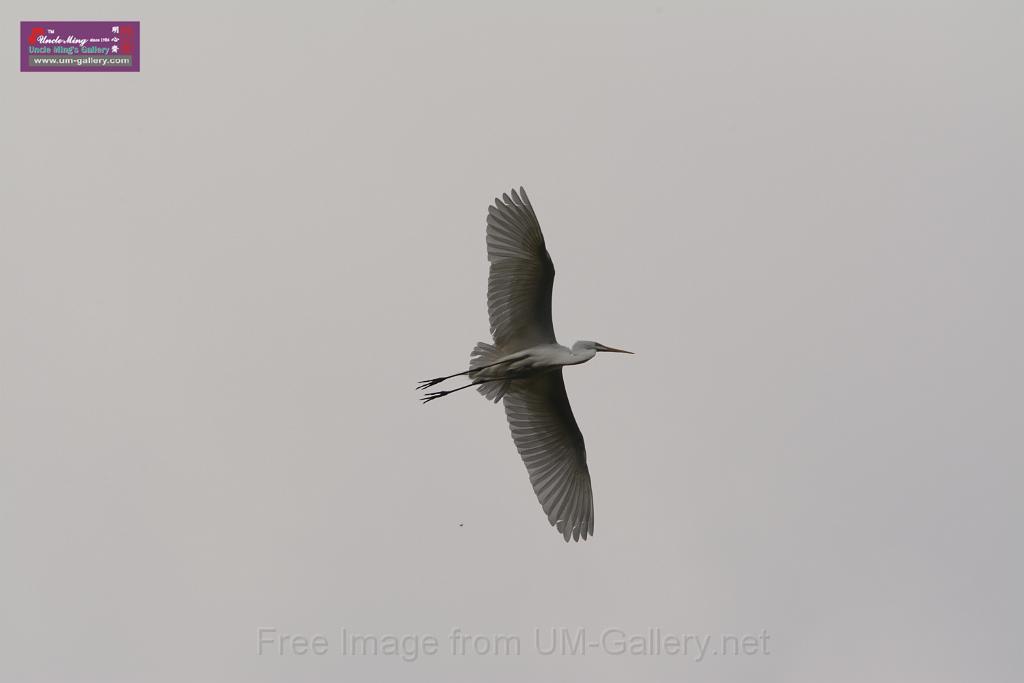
(523, 366)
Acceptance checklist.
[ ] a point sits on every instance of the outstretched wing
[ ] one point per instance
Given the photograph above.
(548, 438)
(519, 286)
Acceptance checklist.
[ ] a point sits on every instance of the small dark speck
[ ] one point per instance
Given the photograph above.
(460, 523)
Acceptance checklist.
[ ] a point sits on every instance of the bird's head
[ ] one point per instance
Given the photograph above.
(595, 347)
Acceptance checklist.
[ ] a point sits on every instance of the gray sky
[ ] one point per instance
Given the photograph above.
(221, 278)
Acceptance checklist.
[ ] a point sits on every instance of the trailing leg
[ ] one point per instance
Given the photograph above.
(427, 383)
(440, 394)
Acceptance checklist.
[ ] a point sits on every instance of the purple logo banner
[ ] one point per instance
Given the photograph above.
(79, 46)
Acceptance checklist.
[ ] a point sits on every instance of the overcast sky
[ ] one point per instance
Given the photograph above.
(221, 278)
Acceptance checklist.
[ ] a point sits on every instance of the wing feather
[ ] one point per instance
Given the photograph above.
(521, 275)
(550, 442)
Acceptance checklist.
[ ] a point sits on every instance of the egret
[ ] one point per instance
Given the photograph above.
(523, 367)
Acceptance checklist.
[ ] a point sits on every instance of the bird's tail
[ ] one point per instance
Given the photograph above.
(486, 354)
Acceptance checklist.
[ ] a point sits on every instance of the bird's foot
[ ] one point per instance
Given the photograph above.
(427, 383)
(434, 394)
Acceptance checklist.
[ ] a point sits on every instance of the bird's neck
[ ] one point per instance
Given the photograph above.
(582, 355)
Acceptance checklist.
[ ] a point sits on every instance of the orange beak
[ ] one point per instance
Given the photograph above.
(611, 350)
